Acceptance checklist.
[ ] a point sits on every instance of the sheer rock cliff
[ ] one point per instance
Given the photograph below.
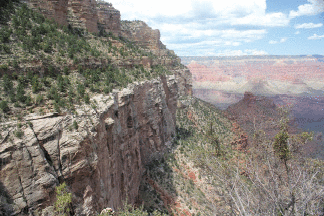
(102, 160)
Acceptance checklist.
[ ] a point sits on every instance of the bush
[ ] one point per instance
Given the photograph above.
(75, 125)
(87, 99)
(39, 99)
(21, 93)
(5, 33)
(81, 90)
(63, 200)
(4, 106)
(36, 86)
(7, 84)
(19, 133)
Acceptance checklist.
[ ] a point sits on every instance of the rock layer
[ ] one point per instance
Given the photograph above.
(142, 34)
(109, 17)
(83, 14)
(52, 9)
(102, 160)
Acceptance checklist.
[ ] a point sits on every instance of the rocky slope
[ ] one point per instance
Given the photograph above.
(102, 159)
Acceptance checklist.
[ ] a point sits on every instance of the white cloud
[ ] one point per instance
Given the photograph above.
(282, 40)
(263, 19)
(308, 25)
(315, 37)
(297, 32)
(273, 42)
(233, 12)
(313, 8)
(240, 52)
(201, 24)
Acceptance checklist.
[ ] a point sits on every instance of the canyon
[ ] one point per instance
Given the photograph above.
(100, 150)
(296, 81)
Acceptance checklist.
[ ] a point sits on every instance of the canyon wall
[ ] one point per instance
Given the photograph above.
(93, 15)
(109, 17)
(142, 34)
(102, 160)
(52, 9)
(83, 14)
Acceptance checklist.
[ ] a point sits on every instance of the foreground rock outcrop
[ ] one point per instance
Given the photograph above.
(100, 152)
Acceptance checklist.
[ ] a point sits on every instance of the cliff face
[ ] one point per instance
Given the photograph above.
(86, 14)
(109, 17)
(141, 33)
(83, 14)
(102, 160)
(52, 9)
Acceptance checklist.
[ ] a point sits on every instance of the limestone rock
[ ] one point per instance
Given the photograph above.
(109, 17)
(52, 9)
(83, 14)
(102, 161)
(142, 34)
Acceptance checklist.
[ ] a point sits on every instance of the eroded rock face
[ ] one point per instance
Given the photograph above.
(109, 17)
(142, 34)
(102, 160)
(52, 9)
(83, 14)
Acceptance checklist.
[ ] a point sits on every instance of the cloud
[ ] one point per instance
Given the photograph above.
(282, 40)
(308, 25)
(202, 24)
(313, 8)
(233, 12)
(297, 32)
(315, 37)
(240, 52)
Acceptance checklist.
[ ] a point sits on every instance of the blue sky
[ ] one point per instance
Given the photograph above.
(232, 27)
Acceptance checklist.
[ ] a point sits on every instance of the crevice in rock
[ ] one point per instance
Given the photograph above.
(25, 209)
(30, 157)
(166, 90)
(59, 156)
(46, 155)
(6, 137)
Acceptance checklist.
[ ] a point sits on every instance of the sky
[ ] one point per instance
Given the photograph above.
(232, 27)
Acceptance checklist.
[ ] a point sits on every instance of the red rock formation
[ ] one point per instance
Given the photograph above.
(83, 14)
(142, 34)
(109, 17)
(102, 161)
(52, 9)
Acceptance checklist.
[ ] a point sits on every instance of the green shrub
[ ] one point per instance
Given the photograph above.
(66, 70)
(36, 86)
(48, 47)
(28, 100)
(75, 125)
(4, 106)
(5, 33)
(19, 133)
(7, 84)
(63, 200)
(39, 99)
(21, 93)
(87, 99)
(81, 90)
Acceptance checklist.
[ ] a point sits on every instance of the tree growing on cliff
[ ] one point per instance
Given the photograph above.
(63, 200)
